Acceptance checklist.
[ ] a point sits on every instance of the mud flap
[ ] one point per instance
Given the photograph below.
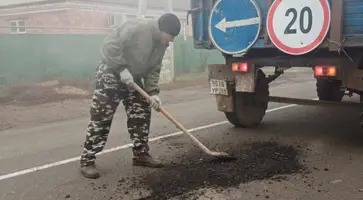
(222, 90)
(220, 77)
(246, 81)
(224, 103)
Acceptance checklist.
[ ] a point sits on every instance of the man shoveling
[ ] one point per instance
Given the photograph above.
(132, 53)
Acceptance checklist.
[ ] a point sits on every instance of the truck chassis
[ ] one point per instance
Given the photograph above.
(246, 100)
(240, 86)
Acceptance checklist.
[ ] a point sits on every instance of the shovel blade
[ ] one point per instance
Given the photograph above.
(223, 156)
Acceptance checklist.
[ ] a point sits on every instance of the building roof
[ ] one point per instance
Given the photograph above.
(177, 4)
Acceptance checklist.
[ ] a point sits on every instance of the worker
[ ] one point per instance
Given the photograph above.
(132, 53)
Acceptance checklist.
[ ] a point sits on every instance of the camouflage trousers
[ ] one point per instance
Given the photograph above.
(108, 94)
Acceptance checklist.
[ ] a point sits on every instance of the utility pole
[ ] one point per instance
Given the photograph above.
(169, 6)
(142, 7)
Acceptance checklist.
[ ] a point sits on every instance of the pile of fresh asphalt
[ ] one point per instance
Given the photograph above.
(262, 160)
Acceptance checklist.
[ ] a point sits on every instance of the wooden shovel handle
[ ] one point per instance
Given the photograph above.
(171, 118)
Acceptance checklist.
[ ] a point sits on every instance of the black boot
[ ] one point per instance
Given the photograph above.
(90, 172)
(145, 160)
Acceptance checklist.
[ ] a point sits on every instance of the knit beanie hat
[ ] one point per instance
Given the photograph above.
(169, 23)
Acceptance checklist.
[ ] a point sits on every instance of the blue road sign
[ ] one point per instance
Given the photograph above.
(234, 25)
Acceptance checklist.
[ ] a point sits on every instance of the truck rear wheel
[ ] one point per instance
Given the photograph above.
(329, 90)
(250, 108)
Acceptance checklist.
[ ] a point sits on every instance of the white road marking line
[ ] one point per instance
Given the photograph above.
(63, 162)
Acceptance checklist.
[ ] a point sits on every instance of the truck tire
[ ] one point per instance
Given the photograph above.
(329, 90)
(250, 108)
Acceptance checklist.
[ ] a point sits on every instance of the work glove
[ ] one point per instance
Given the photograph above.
(156, 104)
(127, 78)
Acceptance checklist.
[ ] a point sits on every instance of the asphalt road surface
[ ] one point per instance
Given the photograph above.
(298, 152)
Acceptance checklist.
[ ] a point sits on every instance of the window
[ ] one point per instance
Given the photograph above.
(17, 26)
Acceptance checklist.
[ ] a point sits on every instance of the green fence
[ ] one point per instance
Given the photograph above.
(190, 60)
(32, 58)
(29, 58)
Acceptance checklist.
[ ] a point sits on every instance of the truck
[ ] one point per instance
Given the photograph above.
(324, 35)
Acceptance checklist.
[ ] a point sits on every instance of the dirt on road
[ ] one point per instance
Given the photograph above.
(262, 160)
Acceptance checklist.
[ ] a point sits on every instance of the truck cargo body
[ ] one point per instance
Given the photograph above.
(241, 88)
(347, 22)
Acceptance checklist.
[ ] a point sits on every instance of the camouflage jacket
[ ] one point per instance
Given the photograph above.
(136, 45)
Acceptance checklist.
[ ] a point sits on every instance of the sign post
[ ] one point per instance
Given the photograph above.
(298, 27)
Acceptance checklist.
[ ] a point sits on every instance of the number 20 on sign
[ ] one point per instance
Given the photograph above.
(297, 27)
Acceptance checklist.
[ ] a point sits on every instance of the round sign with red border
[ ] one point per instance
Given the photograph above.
(298, 27)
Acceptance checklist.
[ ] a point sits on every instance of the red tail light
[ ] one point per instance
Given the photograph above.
(325, 71)
(240, 67)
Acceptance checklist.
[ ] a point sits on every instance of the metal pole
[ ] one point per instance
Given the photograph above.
(169, 6)
(309, 102)
(142, 7)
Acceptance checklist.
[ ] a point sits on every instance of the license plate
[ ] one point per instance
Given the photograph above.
(218, 87)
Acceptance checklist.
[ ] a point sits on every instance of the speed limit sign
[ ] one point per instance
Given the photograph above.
(298, 27)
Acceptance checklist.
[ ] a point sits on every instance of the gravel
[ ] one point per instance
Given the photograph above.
(258, 162)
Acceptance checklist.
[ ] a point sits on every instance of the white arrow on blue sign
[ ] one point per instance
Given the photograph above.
(234, 25)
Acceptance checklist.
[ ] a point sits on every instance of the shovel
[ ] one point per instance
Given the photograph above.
(218, 155)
